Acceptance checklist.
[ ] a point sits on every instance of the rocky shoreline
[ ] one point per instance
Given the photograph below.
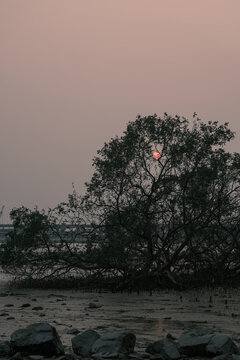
(41, 340)
(164, 316)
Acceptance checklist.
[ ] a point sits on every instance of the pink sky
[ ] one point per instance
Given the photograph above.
(73, 73)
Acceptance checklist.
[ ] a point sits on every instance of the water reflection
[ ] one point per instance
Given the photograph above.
(159, 328)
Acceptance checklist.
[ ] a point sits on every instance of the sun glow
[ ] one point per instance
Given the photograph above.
(157, 155)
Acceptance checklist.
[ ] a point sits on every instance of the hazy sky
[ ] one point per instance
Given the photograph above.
(73, 73)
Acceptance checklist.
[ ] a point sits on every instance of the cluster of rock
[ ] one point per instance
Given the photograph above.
(42, 340)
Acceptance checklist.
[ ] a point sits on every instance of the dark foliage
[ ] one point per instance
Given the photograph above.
(174, 221)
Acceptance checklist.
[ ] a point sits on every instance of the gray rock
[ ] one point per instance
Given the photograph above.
(15, 294)
(145, 355)
(17, 356)
(220, 345)
(62, 357)
(194, 342)
(166, 348)
(37, 308)
(206, 343)
(25, 305)
(39, 339)
(137, 356)
(156, 357)
(4, 314)
(170, 336)
(70, 356)
(114, 345)
(94, 306)
(82, 344)
(235, 357)
(5, 348)
(227, 357)
(73, 331)
(57, 295)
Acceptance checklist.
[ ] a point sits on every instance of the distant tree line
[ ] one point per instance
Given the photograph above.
(170, 220)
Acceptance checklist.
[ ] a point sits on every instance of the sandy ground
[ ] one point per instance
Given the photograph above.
(149, 317)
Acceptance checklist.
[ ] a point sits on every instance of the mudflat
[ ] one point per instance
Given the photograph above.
(149, 317)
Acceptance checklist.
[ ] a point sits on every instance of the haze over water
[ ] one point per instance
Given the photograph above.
(75, 72)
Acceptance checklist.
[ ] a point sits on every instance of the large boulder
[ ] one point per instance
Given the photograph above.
(227, 357)
(220, 345)
(5, 348)
(166, 348)
(205, 343)
(194, 342)
(82, 344)
(114, 345)
(39, 338)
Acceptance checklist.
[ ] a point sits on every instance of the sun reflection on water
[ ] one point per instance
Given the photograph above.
(159, 328)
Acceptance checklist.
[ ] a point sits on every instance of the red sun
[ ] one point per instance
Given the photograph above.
(157, 155)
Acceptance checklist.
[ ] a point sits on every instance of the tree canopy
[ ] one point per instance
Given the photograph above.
(155, 212)
(175, 218)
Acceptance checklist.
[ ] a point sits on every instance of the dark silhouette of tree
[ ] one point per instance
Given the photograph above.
(148, 221)
(153, 210)
(45, 244)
